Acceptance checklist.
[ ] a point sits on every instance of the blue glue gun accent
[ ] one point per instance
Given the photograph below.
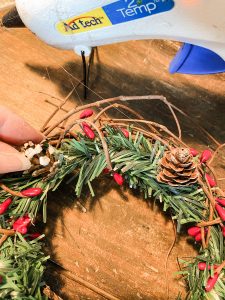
(191, 59)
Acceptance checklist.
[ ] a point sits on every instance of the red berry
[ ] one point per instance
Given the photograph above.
(125, 132)
(196, 233)
(211, 282)
(206, 155)
(88, 131)
(106, 171)
(210, 180)
(86, 113)
(25, 220)
(33, 236)
(193, 231)
(21, 224)
(220, 201)
(118, 178)
(1, 279)
(4, 206)
(193, 152)
(32, 192)
(22, 229)
(202, 266)
(221, 211)
(223, 231)
(198, 237)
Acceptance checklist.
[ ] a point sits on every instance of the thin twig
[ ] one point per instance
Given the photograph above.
(47, 94)
(211, 211)
(145, 133)
(207, 190)
(57, 109)
(7, 231)
(203, 238)
(170, 106)
(11, 192)
(215, 153)
(211, 169)
(61, 135)
(116, 105)
(50, 294)
(161, 127)
(135, 98)
(104, 144)
(55, 142)
(196, 124)
(55, 105)
(73, 134)
(220, 192)
(102, 102)
(209, 223)
(219, 269)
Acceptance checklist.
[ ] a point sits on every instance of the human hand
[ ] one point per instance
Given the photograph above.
(14, 131)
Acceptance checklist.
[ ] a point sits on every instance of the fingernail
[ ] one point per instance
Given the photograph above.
(13, 162)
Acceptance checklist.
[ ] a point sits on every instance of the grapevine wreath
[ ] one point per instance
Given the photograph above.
(142, 154)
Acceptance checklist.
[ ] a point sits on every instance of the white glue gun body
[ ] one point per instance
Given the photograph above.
(82, 24)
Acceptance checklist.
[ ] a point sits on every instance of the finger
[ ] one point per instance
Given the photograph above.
(7, 148)
(11, 160)
(14, 130)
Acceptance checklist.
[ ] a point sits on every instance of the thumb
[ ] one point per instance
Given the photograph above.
(13, 162)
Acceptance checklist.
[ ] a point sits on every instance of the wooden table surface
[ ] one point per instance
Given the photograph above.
(120, 243)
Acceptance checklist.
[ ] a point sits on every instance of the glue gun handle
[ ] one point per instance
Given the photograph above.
(192, 59)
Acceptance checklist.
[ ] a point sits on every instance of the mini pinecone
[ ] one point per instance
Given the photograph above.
(42, 157)
(177, 168)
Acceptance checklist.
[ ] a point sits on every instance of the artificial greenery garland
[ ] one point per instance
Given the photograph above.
(132, 152)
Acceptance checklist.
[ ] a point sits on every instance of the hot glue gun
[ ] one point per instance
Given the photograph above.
(82, 24)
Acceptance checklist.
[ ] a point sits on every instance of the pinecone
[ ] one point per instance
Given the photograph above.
(177, 168)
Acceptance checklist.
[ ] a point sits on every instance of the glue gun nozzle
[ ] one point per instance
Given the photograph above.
(12, 19)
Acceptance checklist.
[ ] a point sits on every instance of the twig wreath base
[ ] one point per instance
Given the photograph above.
(142, 154)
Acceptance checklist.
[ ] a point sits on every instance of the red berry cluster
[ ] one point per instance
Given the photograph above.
(91, 135)
(196, 233)
(21, 224)
(212, 280)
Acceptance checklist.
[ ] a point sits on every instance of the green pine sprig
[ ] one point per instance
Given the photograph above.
(81, 161)
(22, 265)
